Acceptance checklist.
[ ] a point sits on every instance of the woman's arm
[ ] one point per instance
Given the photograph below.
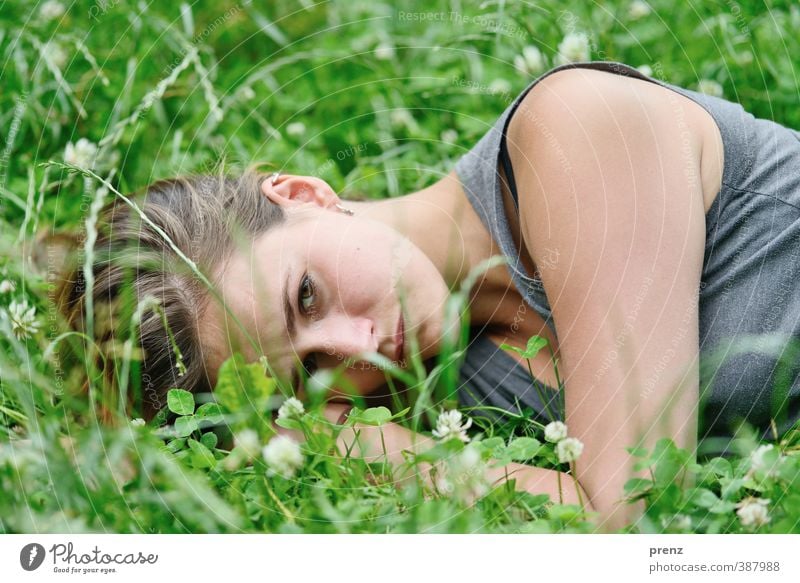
(397, 439)
(609, 175)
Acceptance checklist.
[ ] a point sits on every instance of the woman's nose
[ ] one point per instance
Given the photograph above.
(346, 337)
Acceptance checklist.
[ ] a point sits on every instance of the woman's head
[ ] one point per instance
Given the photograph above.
(259, 243)
(326, 288)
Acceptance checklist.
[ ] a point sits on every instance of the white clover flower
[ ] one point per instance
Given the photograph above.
(296, 129)
(753, 511)
(757, 456)
(138, 422)
(444, 485)
(81, 154)
(23, 319)
(7, 286)
(530, 62)
(638, 9)
(469, 458)
(464, 475)
(248, 443)
(500, 86)
(402, 117)
(52, 51)
(758, 463)
(247, 92)
(709, 87)
(51, 10)
(555, 431)
(645, 70)
(384, 52)
(574, 48)
(467, 473)
(678, 521)
(449, 136)
(399, 116)
(283, 456)
(291, 408)
(320, 382)
(569, 449)
(448, 425)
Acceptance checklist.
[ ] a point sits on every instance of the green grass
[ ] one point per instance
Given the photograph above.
(163, 92)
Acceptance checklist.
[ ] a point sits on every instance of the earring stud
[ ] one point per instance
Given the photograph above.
(274, 178)
(346, 211)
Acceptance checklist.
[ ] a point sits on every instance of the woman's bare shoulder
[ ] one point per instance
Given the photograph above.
(592, 96)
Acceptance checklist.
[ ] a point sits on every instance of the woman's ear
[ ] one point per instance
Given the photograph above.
(293, 191)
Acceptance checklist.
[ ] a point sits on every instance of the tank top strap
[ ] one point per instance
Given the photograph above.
(509, 171)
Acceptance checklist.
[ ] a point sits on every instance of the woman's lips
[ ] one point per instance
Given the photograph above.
(399, 340)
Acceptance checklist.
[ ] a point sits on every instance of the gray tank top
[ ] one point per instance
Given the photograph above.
(749, 303)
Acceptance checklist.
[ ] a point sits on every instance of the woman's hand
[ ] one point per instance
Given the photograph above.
(368, 444)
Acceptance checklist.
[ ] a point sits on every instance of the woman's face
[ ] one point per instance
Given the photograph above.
(325, 287)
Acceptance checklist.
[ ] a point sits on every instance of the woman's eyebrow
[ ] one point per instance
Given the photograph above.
(288, 315)
(288, 311)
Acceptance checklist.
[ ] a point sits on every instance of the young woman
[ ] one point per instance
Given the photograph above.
(659, 225)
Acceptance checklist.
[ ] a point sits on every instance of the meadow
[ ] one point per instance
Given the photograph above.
(101, 98)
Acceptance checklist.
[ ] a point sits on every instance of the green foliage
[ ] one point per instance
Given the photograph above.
(705, 497)
(243, 385)
(373, 416)
(180, 402)
(535, 344)
(521, 449)
(244, 391)
(160, 93)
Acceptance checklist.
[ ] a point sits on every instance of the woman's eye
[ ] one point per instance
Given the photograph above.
(306, 292)
(310, 365)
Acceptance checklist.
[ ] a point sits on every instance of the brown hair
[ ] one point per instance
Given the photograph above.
(200, 216)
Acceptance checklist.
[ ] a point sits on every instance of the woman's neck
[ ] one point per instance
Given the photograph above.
(443, 224)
